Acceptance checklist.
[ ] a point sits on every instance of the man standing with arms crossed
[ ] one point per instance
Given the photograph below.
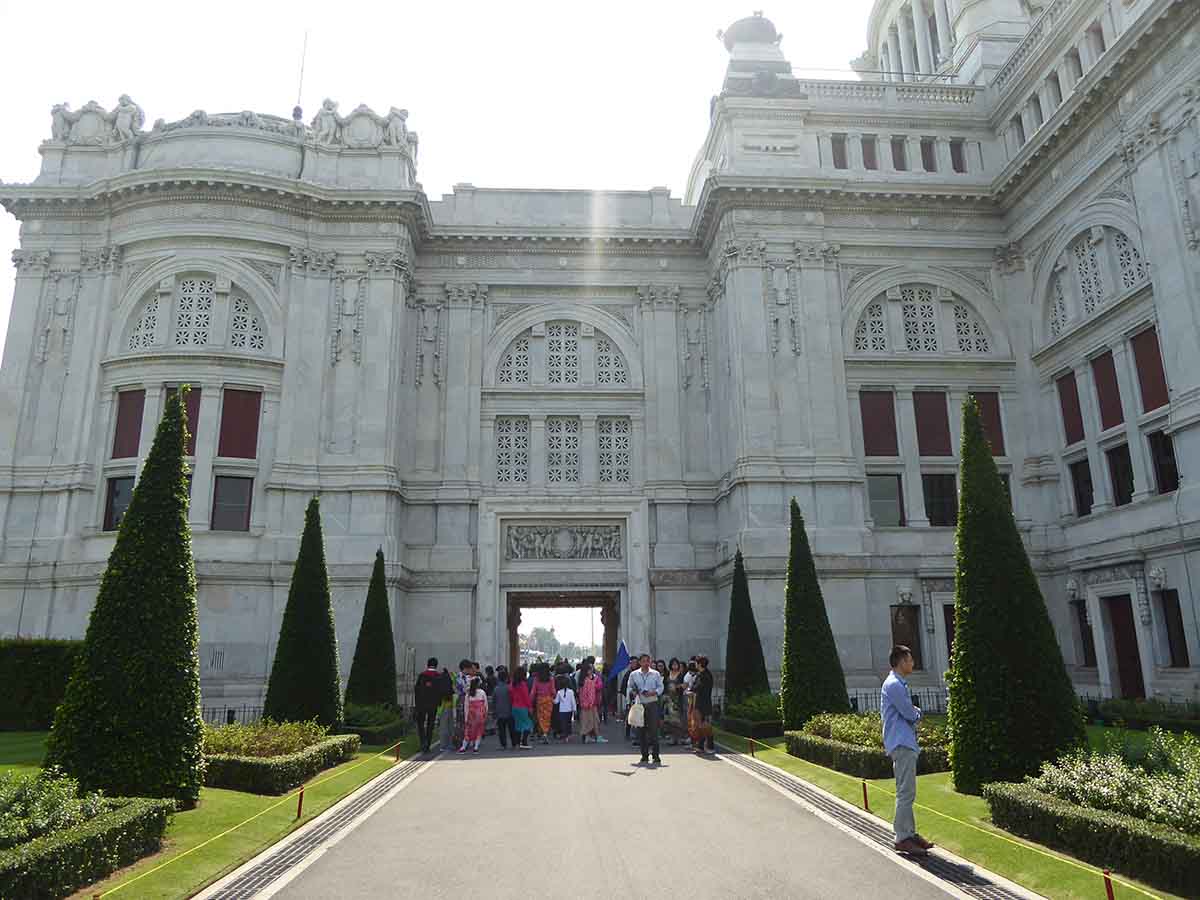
(647, 684)
(900, 719)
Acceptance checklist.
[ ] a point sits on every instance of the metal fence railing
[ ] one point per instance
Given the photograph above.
(230, 715)
(929, 699)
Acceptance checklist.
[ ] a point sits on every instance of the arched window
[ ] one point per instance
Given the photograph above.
(562, 353)
(610, 366)
(145, 332)
(870, 336)
(972, 338)
(514, 368)
(245, 329)
(1098, 266)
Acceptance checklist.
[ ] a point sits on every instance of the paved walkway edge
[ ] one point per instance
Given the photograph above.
(282, 844)
(732, 757)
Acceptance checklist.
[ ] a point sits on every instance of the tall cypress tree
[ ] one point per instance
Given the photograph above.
(1012, 705)
(373, 672)
(745, 668)
(129, 722)
(812, 681)
(305, 683)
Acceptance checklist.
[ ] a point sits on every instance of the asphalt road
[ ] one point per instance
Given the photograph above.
(588, 821)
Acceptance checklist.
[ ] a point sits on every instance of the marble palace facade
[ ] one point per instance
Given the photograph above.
(601, 395)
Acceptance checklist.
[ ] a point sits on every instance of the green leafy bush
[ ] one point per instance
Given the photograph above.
(262, 738)
(866, 730)
(369, 714)
(33, 805)
(1143, 714)
(745, 667)
(59, 863)
(762, 707)
(375, 724)
(856, 759)
(748, 728)
(1157, 854)
(279, 774)
(1168, 795)
(34, 673)
(373, 671)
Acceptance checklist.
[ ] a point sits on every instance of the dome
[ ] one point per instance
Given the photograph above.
(753, 29)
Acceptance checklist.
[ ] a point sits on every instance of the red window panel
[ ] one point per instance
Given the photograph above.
(1068, 400)
(193, 415)
(1108, 392)
(1150, 370)
(879, 423)
(239, 424)
(989, 413)
(128, 435)
(933, 423)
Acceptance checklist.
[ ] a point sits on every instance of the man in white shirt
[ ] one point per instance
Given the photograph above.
(646, 684)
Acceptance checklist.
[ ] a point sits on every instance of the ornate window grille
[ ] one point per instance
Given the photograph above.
(562, 450)
(1087, 268)
(610, 366)
(514, 368)
(972, 338)
(870, 335)
(1133, 268)
(615, 443)
(144, 333)
(562, 353)
(920, 320)
(512, 450)
(193, 311)
(245, 330)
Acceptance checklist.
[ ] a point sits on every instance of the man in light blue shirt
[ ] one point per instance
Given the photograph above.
(900, 719)
(646, 685)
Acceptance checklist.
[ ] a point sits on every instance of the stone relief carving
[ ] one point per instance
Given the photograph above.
(100, 259)
(823, 251)
(347, 314)
(304, 258)
(562, 542)
(779, 288)
(31, 260)
(752, 252)
(1135, 572)
(63, 286)
(652, 296)
(269, 271)
(504, 310)
(94, 125)
(244, 119)
(429, 340)
(1010, 258)
(472, 295)
(693, 350)
(363, 129)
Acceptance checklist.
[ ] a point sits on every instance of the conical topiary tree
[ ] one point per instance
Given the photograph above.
(745, 668)
(812, 681)
(305, 683)
(1012, 706)
(129, 722)
(373, 672)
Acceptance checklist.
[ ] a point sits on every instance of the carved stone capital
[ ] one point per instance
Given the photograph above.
(307, 259)
(744, 253)
(388, 261)
(1010, 258)
(469, 295)
(100, 259)
(822, 252)
(658, 296)
(31, 260)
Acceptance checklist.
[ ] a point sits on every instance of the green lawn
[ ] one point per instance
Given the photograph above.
(183, 873)
(961, 824)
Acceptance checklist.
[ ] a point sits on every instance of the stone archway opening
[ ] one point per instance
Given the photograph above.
(608, 602)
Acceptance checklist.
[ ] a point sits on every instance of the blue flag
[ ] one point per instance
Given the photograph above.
(620, 663)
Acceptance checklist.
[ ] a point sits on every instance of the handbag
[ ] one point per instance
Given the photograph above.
(637, 715)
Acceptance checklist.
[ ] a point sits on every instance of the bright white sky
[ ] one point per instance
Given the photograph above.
(609, 95)
(569, 623)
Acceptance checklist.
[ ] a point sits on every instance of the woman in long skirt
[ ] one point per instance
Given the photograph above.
(543, 702)
(522, 720)
(591, 697)
(476, 718)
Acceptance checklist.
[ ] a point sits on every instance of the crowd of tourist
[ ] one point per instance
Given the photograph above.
(553, 702)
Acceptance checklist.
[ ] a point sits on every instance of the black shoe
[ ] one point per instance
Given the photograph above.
(657, 761)
(645, 760)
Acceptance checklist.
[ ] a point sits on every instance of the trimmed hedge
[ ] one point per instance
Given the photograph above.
(1158, 855)
(387, 733)
(34, 673)
(278, 774)
(58, 864)
(749, 728)
(862, 762)
(1142, 715)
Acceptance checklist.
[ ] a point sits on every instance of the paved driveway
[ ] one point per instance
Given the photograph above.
(587, 821)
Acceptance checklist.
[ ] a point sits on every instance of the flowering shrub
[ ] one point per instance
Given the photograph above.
(1166, 790)
(263, 738)
(33, 805)
(866, 730)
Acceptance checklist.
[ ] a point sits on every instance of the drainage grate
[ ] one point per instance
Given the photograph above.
(965, 878)
(258, 877)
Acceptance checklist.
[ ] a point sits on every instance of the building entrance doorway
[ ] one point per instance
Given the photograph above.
(608, 603)
(1129, 660)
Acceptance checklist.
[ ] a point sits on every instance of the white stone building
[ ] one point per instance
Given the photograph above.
(536, 397)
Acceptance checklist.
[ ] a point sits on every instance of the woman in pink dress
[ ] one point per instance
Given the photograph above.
(591, 693)
(477, 706)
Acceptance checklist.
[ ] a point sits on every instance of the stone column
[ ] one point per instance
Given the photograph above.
(463, 348)
(589, 450)
(1127, 384)
(906, 427)
(912, 149)
(854, 151)
(207, 424)
(660, 363)
(904, 36)
(1028, 122)
(1101, 491)
(895, 58)
(1086, 56)
(152, 410)
(825, 145)
(945, 38)
(537, 451)
(921, 27)
(941, 148)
